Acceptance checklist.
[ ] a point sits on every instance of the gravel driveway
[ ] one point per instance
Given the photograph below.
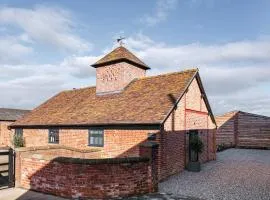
(236, 174)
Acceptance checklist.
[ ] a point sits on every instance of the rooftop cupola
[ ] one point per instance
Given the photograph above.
(117, 69)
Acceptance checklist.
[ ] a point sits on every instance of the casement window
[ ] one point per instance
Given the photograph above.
(54, 136)
(96, 137)
(19, 132)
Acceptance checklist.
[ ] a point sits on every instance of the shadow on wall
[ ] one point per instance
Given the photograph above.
(226, 131)
(84, 178)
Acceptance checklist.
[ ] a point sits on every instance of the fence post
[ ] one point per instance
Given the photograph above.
(11, 168)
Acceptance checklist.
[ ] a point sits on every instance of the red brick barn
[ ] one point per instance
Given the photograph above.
(7, 117)
(126, 109)
(242, 129)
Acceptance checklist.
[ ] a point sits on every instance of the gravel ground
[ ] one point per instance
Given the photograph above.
(236, 174)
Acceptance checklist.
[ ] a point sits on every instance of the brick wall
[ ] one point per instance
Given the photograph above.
(116, 77)
(172, 153)
(86, 178)
(5, 133)
(117, 143)
(191, 113)
(49, 153)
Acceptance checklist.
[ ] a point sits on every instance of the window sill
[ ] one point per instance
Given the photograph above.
(95, 146)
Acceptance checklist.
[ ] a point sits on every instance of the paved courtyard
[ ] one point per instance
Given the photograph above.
(236, 174)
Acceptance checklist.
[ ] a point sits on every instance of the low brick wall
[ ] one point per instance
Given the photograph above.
(85, 178)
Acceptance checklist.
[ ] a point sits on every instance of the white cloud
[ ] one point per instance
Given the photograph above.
(27, 86)
(198, 54)
(24, 81)
(227, 70)
(12, 50)
(51, 26)
(162, 9)
(80, 65)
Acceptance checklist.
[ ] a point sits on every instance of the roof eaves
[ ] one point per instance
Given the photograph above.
(206, 100)
(7, 120)
(143, 66)
(153, 124)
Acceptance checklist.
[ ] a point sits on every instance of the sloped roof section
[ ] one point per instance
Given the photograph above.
(144, 101)
(120, 54)
(8, 114)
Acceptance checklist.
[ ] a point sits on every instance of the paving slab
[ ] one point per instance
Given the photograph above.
(21, 194)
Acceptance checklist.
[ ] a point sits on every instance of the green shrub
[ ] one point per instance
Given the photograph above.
(18, 141)
(196, 147)
(221, 147)
(196, 144)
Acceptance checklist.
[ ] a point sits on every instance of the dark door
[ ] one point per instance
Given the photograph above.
(193, 156)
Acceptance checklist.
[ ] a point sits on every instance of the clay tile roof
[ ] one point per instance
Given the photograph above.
(146, 100)
(8, 114)
(120, 54)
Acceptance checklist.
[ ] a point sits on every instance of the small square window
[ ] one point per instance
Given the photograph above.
(96, 138)
(54, 136)
(19, 132)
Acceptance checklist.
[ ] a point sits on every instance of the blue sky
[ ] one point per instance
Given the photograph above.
(47, 46)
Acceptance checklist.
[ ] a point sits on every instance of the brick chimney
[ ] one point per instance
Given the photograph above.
(117, 69)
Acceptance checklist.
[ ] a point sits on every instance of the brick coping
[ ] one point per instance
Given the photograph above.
(101, 161)
(52, 147)
(71, 160)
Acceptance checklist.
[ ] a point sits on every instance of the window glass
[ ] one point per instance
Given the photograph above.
(96, 138)
(19, 132)
(54, 136)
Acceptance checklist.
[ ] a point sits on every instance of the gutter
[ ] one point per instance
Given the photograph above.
(127, 125)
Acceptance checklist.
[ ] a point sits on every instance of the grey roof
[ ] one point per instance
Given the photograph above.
(8, 114)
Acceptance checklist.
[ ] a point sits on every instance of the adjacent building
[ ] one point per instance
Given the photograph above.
(242, 129)
(7, 117)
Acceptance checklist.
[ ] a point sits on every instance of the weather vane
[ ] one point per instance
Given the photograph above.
(120, 41)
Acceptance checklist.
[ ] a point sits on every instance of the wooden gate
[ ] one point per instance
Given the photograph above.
(7, 168)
